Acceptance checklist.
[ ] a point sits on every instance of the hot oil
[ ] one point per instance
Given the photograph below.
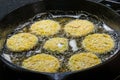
(62, 18)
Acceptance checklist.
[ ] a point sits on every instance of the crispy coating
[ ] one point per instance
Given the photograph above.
(98, 43)
(21, 42)
(57, 44)
(82, 61)
(78, 28)
(42, 63)
(45, 27)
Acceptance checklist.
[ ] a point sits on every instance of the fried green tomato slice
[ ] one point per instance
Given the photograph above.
(21, 42)
(45, 27)
(98, 43)
(42, 63)
(78, 28)
(81, 61)
(56, 44)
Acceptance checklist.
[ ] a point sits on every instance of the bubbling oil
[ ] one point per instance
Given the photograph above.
(62, 17)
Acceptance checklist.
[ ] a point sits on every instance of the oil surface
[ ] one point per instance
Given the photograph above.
(62, 18)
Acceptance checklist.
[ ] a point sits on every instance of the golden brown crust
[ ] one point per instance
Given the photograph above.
(21, 42)
(45, 27)
(82, 61)
(98, 43)
(57, 44)
(42, 63)
(78, 28)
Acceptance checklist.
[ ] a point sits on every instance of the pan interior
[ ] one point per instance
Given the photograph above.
(62, 17)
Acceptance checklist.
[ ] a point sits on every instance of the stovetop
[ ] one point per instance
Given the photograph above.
(4, 71)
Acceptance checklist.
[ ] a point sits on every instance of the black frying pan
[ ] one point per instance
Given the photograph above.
(110, 17)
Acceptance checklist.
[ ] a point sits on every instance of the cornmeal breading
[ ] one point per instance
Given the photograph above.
(82, 61)
(98, 43)
(42, 63)
(45, 27)
(78, 28)
(57, 44)
(21, 42)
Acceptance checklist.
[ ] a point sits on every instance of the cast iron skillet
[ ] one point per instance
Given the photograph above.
(24, 13)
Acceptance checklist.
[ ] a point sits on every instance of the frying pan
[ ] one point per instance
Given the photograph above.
(110, 17)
